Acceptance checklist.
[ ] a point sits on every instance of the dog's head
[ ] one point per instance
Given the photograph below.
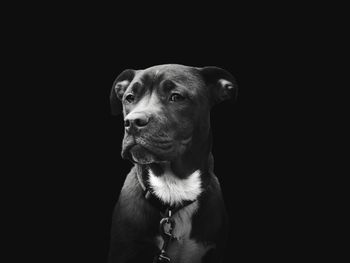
(166, 108)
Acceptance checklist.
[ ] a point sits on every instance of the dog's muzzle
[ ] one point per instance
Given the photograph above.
(135, 122)
(145, 150)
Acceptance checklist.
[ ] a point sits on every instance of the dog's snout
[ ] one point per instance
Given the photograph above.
(137, 120)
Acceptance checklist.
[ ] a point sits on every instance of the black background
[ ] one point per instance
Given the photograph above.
(70, 170)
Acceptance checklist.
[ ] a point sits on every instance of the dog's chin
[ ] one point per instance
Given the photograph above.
(141, 155)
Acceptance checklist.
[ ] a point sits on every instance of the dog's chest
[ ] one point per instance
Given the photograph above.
(183, 249)
(172, 190)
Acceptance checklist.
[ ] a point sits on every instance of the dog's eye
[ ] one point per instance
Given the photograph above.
(176, 97)
(130, 98)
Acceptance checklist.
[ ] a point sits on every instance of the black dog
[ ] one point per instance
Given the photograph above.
(170, 208)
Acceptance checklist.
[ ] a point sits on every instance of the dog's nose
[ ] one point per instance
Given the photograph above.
(137, 120)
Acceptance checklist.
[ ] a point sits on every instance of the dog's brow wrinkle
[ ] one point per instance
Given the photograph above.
(155, 76)
(136, 87)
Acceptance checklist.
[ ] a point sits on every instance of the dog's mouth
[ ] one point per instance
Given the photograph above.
(142, 151)
(141, 155)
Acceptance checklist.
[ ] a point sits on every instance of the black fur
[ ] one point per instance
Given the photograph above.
(135, 221)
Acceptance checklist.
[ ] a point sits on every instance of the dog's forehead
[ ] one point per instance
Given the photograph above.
(170, 69)
(177, 73)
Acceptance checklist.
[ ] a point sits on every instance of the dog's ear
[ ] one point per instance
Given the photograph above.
(222, 84)
(119, 86)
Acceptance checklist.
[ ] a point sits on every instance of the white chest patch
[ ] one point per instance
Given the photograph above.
(173, 190)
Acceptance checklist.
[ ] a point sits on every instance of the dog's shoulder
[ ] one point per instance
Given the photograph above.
(211, 220)
(132, 212)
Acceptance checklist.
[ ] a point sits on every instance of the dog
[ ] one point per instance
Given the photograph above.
(170, 208)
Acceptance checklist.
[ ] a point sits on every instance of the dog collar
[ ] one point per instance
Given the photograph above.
(164, 208)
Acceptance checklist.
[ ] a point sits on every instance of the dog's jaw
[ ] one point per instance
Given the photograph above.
(173, 190)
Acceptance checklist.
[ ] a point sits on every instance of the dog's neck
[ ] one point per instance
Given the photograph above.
(197, 157)
(171, 189)
(182, 179)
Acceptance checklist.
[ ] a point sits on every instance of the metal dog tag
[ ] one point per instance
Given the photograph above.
(163, 258)
(166, 227)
